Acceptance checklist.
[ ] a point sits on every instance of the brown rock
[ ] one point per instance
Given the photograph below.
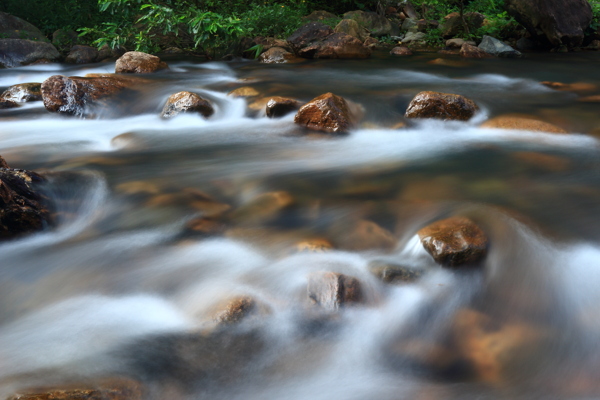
(544, 162)
(280, 106)
(204, 227)
(73, 95)
(234, 310)
(337, 45)
(186, 102)
(327, 113)
(23, 92)
(454, 242)
(589, 99)
(108, 389)
(371, 42)
(469, 51)
(363, 235)
(394, 273)
(314, 246)
(319, 15)
(82, 55)
(308, 34)
(5, 104)
(352, 28)
(448, 63)
(263, 208)
(277, 55)
(3, 163)
(136, 62)
(24, 208)
(521, 123)
(332, 290)
(244, 91)
(441, 106)
(401, 51)
(577, 87)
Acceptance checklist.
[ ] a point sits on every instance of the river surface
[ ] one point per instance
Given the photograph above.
(122, 286)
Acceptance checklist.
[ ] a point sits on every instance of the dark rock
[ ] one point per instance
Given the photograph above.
(308, 34)
(454, 242)
(17, 52)
(64, 39)
(526, 44)
(74, 95)
(376, 24)
(186, 102)
(6, 104)
(409, 11)
(401, 51)
(23, 207)
(82, 55)
(337, 45)
(557, 22)
(457, 43)
(394, 273)
(136, 62)
(497, 48)
(362, 235)
(280, 106)
(444, 106)
(327, 113)
(453, 23)
(277, 55)
(270, 42)
(106, 389)
(331, 290)
(23, 92)
(12, 27)
(470, 51)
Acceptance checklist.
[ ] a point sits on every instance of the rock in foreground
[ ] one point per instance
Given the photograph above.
(23, 92)
(279, 106)
(136, 62)
(441, 106)
(454, 242)
(187, 102)
(327, 113)
(331, 290)
(113, 389)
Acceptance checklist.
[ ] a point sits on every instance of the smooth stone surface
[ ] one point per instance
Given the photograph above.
(137, 62)
(444, 106)
(186, 102)
(521, 123)
(497, 48)
(18, 52)
(326, 113)
(332, 291)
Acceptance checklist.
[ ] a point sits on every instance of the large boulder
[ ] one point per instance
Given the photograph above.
(376, 24)
(556, 22)
(82, 55)
(23, 92)
(280, 106)
(17, 52)
(444, 106)
(77, 95)
(23, 206)
(327, 113)
(12, 27)
(469, 51)
(352, 28)
(308, 34)
(454, 242)
(497, 48)
(187, 102)
(137, 62)
(453, 23)
(337, 45)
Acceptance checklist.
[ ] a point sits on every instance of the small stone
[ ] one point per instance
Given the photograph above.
(244, 92)
(469, 51)
(521, 123)
(444, 106)
(394, 273)
(280, 106)
(263, 208)
(278, 55)
(454, 242)
(82, 55)
(331, 290)
(327, 113)
(23, 92)
(314, 246)
(186, 102)
(401, 51)
(137, 62)
(455, 43)
(235, 310)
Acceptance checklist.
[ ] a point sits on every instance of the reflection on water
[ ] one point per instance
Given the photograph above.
(163, 222)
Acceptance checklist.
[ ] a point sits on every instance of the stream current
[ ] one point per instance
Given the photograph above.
(120, 287)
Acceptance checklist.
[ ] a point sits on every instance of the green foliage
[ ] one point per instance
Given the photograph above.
(277, 20)
(595, 24)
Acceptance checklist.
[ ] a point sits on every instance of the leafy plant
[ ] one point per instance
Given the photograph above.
(277, 20)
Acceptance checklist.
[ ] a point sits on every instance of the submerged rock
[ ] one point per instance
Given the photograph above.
(401, 51)
(314, 246)
(331, 290)
(234, 310)
(280, 106)
(444, 106)
(390, 272)
(23, 92)
(23, 206)
(277, 55)
(263, 208)
(137, 62)
(469, 51)
(107, 389)
(5, 104)
(327, 113)
(18, 52)
(497, 48)
(454, 242)
(185, 102)
(521, 123)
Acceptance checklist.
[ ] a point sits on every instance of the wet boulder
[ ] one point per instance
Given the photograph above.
(337, 45)
(109, 389)
(556, 23)
(352, 28)
(454, 242)
(280, 106)
(521, 123)
(308, 34)
(444, 106)
(82, 55)
(137, 62)
(469, 51)
(24, 208)
(77, 95)
(401, 51)
(376, 24)
(12, 27)
(332, 290)
(319, 15)
(497, 48)
(23, 92)
(277, 55)
(186, 102)
(6, 104)
(328, 113)
(18, 52)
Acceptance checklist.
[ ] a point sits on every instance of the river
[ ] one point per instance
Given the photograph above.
(122, 286)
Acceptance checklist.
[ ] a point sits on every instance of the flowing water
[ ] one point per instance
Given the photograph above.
(123, 287)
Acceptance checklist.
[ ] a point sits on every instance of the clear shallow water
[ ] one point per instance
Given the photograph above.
(119, 285)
